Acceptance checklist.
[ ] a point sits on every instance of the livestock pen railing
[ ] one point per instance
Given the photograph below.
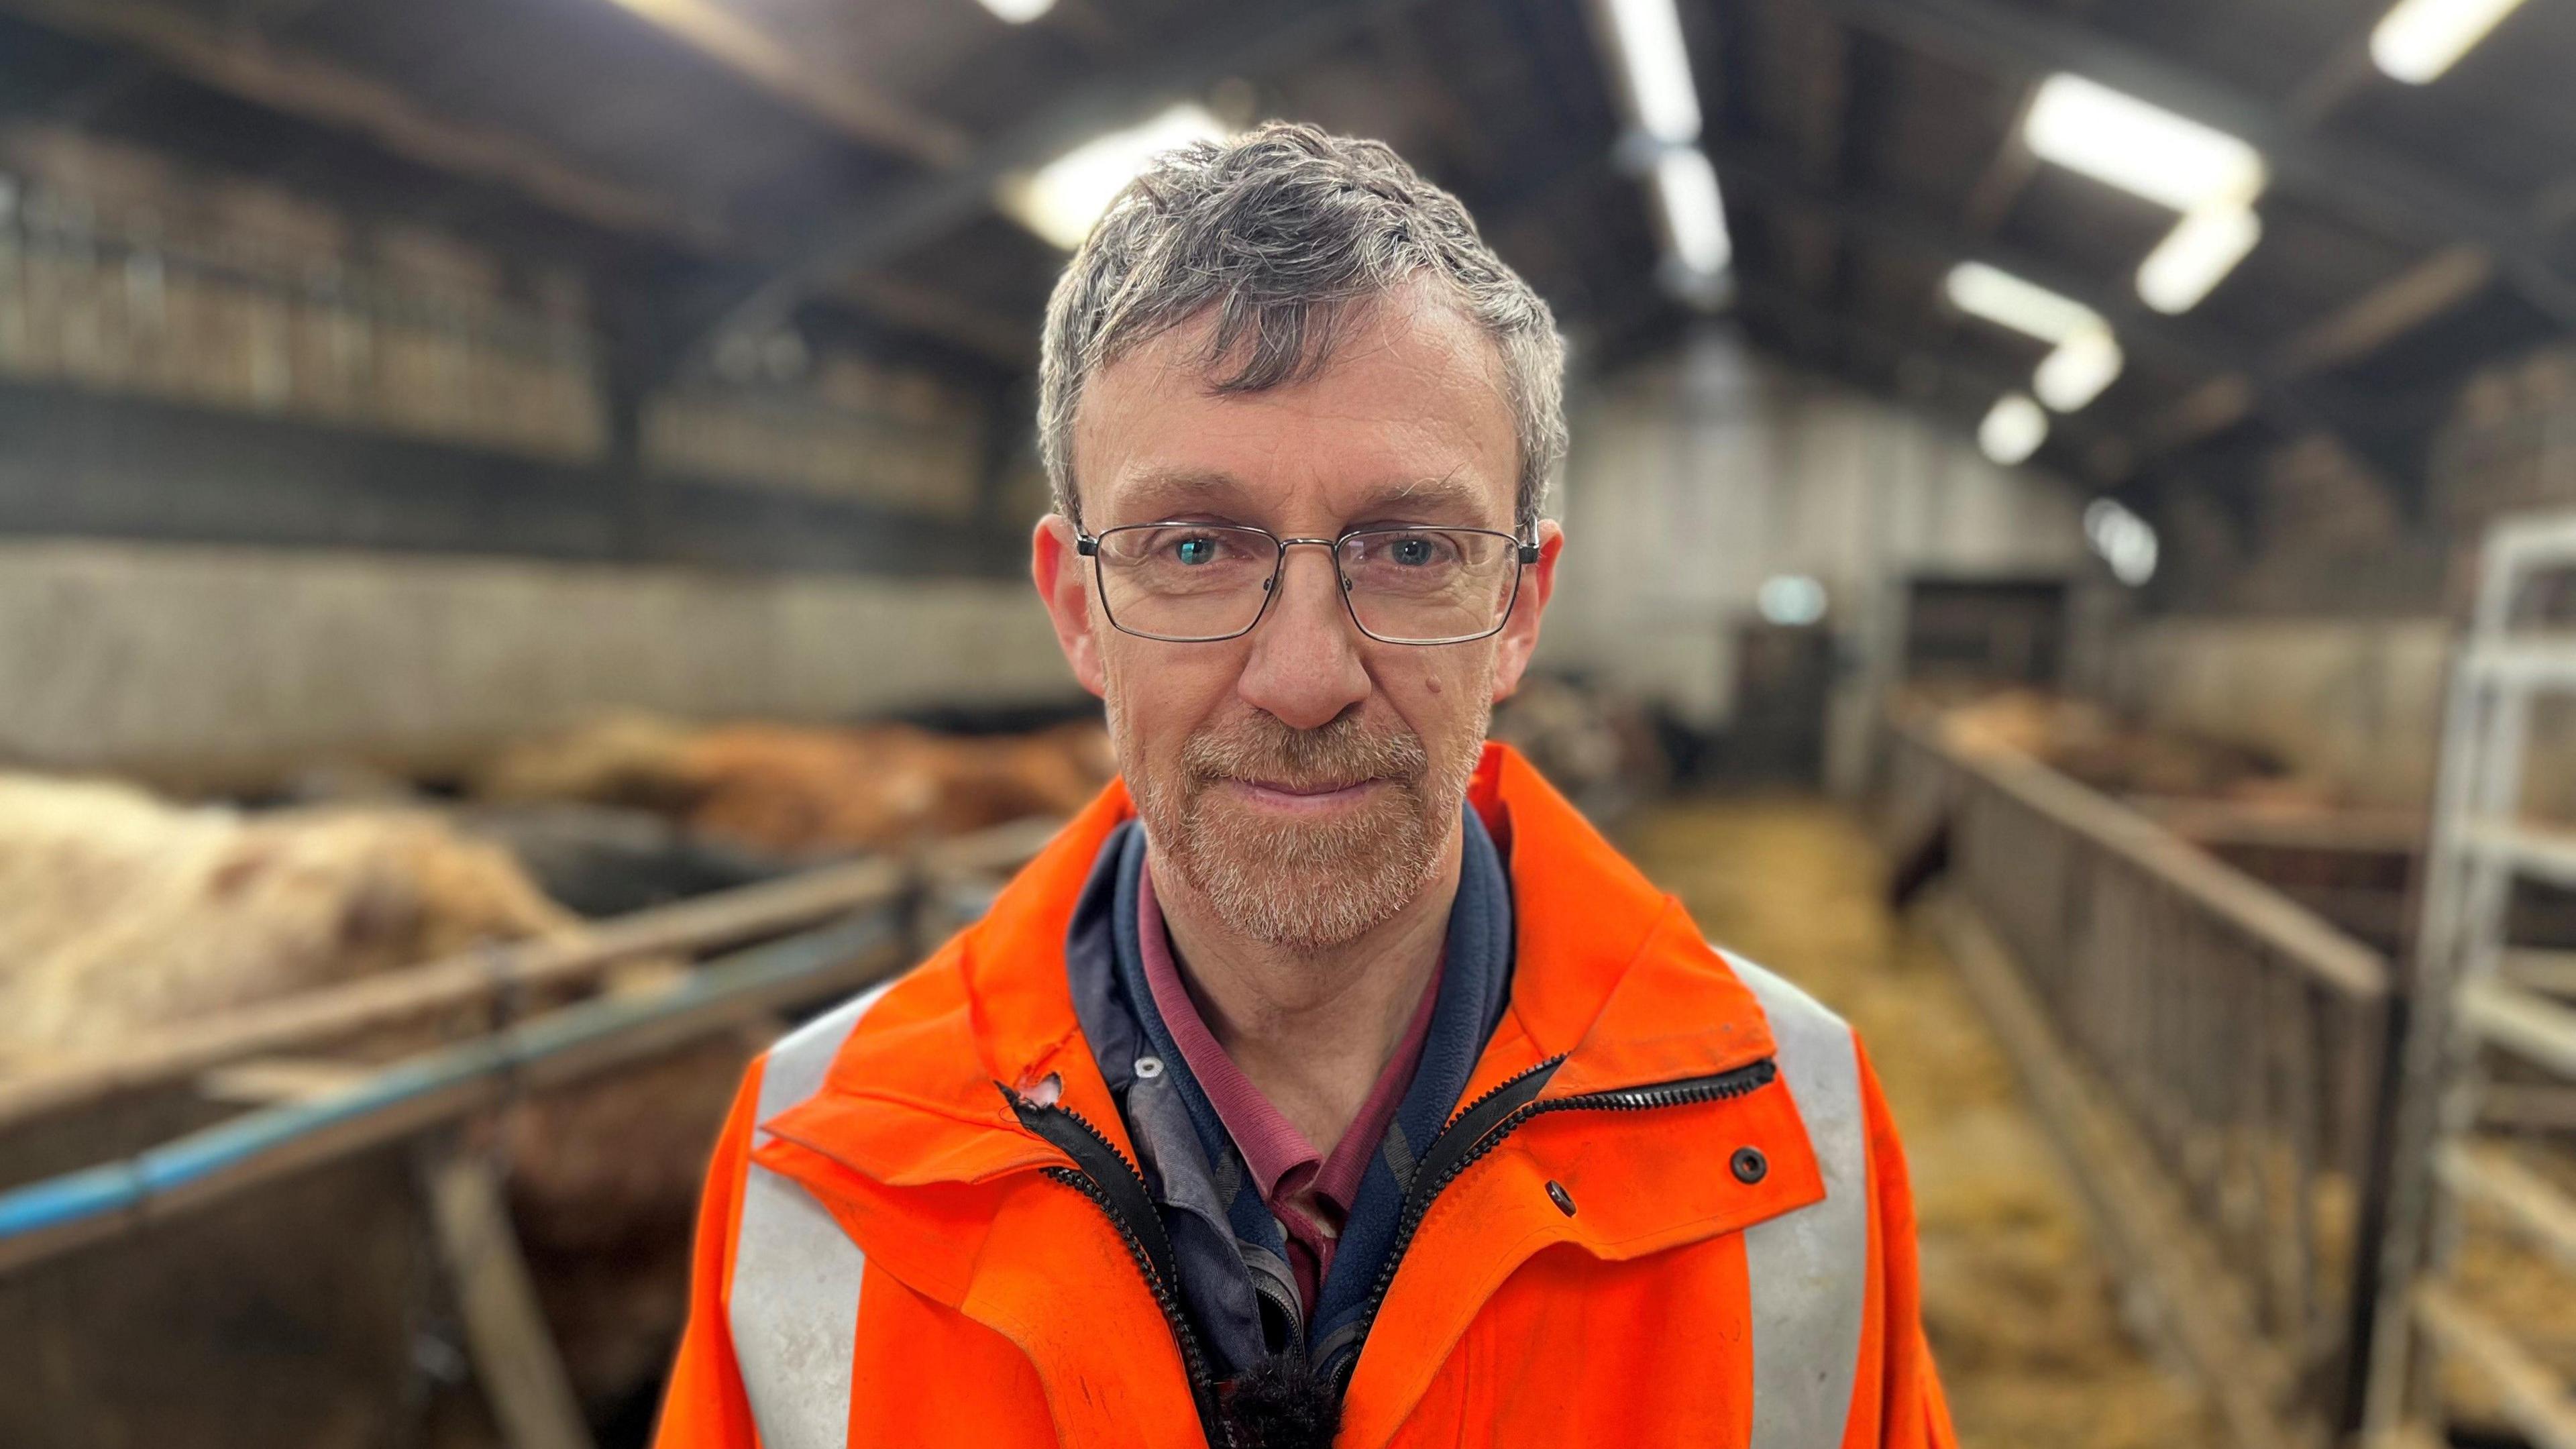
(828, 931)
(2243, 1040)
(421, 1063)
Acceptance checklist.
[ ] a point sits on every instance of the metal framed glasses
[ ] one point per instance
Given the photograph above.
(1197, 583)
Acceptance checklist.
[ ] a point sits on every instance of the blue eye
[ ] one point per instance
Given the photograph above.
(1195, 550)
(1413, 552)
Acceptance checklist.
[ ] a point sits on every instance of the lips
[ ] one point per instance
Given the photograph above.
(1304, 789)
(1298, 797)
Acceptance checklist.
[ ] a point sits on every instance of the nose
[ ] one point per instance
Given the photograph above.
(1304, 668)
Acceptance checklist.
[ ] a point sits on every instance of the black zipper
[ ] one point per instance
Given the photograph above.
(1283, 1298)
(1494, 1116)
(1117, 1187)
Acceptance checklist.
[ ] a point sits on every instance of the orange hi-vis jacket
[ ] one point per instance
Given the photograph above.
(1670, 1211)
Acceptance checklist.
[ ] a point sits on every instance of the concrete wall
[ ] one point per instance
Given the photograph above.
(2354, 704)
(214, 659)
(1695, 477)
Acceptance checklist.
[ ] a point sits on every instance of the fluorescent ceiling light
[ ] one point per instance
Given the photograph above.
(2088, 358)
(2013, 430)
(1649, 38)
(2417, 40)
(2123, 540)
(2025, 307)
(2139, 148)
(2075, 374)
(1694, 216)
(1019, 12)
(1064, 197)
(2202, 249)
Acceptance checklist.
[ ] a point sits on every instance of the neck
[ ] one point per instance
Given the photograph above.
(1312, 1030)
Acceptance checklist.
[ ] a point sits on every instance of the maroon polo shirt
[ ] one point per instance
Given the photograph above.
(1308, 1191)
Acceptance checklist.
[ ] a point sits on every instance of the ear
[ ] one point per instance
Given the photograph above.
(1519, 638)
(1063, 577)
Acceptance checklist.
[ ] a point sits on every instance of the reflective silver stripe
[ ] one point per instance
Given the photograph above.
(1809, 1269)
(794, 1305)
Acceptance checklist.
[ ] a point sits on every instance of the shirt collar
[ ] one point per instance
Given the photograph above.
(1280, 1158)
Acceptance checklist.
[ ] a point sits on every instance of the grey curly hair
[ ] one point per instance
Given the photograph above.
(1281, 230)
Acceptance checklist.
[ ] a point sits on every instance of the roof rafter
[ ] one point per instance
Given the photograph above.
(999, 337)
(839, 100)
(242, 65)
(2445, 280)
(2404, 302)
(2399, 305)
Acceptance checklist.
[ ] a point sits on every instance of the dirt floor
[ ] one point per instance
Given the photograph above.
(2022, 1319)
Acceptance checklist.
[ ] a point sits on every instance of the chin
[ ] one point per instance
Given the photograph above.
(1307, 886)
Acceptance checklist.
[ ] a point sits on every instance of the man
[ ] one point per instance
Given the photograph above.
(1329, 1080)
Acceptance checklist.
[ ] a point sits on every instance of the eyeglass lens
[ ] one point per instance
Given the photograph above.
(1211, 581)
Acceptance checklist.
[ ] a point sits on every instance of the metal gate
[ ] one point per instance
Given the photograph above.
(2241, 1038)
(2484, 1006)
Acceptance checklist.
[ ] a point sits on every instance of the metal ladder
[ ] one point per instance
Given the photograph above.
(2476, 997)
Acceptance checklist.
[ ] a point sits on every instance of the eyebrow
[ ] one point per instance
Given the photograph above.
(1447, 491)
(1179, 482)
(1161, 492)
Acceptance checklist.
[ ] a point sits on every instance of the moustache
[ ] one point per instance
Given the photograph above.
(1345, 752)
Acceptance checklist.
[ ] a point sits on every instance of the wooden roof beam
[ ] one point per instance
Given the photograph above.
(2339, 78)
(2445, 280)
(2008, 172)
(1825, 63)
(248, 68)
(2436, 285)
(994, 336)
(843, 102)
(2371, 321)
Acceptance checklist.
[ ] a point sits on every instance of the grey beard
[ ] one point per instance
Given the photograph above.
(1317, 887)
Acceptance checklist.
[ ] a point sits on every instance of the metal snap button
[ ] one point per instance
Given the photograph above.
(1148, 1068)
(1564, 1200)
(1749, 1165)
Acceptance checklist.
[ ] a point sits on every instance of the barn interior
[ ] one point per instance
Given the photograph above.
(514, 547)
